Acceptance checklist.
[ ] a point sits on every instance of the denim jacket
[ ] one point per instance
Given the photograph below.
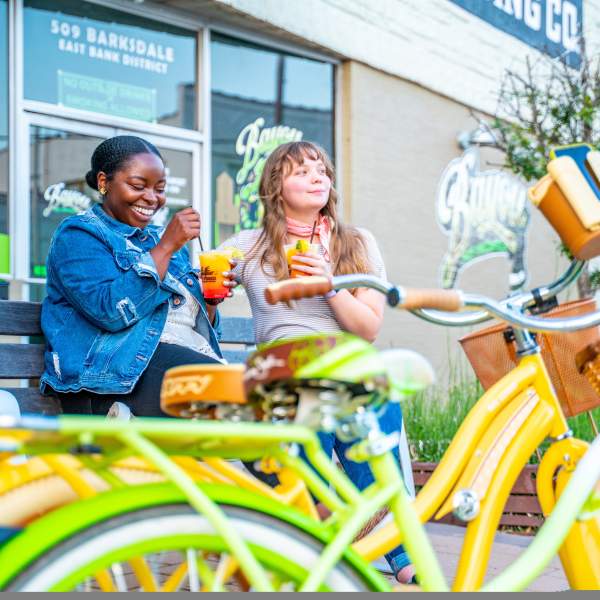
(106, 305)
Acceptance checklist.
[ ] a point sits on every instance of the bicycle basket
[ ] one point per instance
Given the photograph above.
(492, 355)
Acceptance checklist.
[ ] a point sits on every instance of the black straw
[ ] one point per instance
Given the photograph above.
(312, 235)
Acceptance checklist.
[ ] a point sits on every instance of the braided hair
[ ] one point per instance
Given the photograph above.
(114, 153)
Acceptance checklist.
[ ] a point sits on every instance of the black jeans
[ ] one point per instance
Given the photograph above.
(144, 399)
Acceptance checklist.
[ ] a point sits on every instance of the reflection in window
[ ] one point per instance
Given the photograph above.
(4, 239)
(59, 161)
(85, 56)
(260, 98)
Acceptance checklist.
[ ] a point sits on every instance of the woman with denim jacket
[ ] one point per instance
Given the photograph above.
(124, 303)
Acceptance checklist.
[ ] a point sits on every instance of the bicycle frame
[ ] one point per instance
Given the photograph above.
(155, 439)
(486, 456)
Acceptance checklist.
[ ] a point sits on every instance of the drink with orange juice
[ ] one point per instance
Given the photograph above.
(299, 247)
(213, 263)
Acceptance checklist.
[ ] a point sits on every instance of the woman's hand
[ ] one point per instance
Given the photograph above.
(312, 264)
(229, 281)
(183, 227)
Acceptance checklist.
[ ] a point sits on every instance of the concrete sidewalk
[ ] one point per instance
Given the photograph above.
(447, 541)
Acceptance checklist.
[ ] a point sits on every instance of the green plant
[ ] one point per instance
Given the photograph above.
(546, 104)
(433, 417)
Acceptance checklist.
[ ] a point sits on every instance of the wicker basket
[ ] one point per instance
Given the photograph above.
(492, 356)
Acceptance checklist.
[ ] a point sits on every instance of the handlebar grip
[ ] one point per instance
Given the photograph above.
(299, 287)
(413, 298)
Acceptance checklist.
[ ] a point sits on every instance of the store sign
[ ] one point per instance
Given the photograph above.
(107, 67)
(62, 200)
(484, 214)
(110, 97)
(551, 26)
(254, 144)
(109, 45)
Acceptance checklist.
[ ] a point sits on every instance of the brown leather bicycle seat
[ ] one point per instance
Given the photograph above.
(189, 385)
(281, 361)
(320, 361)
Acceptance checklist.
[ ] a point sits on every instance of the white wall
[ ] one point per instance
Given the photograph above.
(434, 43)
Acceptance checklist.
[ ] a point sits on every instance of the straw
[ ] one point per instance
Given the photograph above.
(312, 235)
(199, 238)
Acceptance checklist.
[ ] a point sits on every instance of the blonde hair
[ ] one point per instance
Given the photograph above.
(347, 249)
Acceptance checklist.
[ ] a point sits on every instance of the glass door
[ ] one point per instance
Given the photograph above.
(56, 163)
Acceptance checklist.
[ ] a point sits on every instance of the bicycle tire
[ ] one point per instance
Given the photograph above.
(128, 535)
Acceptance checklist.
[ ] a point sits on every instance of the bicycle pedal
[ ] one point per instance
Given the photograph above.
(120, 411)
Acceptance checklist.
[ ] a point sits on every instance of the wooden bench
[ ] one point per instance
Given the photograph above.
(522, 512)
(25, 360)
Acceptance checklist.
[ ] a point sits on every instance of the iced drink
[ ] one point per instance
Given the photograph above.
(212, 266)
(300, 247)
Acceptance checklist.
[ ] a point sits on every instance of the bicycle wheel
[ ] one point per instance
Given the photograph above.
(171, 547)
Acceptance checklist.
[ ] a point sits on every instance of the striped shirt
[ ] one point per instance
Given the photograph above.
(309, 316)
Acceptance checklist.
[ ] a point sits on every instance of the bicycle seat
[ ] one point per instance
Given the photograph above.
(315, 361)
(196, 390)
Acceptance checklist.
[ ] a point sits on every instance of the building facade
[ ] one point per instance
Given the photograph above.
(385, 87)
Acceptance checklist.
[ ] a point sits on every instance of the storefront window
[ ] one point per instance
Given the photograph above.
(85, 56)
(260, 98)
(4, 239)
(59, 161)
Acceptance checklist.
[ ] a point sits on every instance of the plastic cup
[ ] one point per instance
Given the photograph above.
(213, 264)
(291, 250)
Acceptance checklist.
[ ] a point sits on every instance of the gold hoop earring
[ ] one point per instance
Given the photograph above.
(102, 191)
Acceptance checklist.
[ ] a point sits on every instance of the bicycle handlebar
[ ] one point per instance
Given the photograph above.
(417, 300)
(408, 298)
(523, 300)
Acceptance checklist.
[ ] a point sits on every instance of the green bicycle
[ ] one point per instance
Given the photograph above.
(214, 537)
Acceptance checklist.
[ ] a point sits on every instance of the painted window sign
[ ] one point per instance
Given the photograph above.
(260, 98)
(551, 26)
(254, 145)
(484, 214)
(93, 58)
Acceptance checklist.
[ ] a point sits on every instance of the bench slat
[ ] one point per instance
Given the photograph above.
(237, 330)
(235, 356)
(21, 361)
(20, 318)
(31, 401)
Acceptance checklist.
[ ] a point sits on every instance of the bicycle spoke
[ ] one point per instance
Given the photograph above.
(119, 577)
(206, 573)
(225, 569)
(105, 581)
(174, 581)
(144, 574)
(192, 570)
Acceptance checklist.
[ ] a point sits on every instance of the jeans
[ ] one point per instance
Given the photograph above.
(359, 473)
(144, 399)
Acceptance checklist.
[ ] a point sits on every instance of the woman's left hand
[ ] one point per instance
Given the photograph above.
(312, 264)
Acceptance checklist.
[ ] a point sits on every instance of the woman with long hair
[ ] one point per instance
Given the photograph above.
(299, 202)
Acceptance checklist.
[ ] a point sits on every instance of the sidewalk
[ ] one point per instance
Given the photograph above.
(447, 542)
